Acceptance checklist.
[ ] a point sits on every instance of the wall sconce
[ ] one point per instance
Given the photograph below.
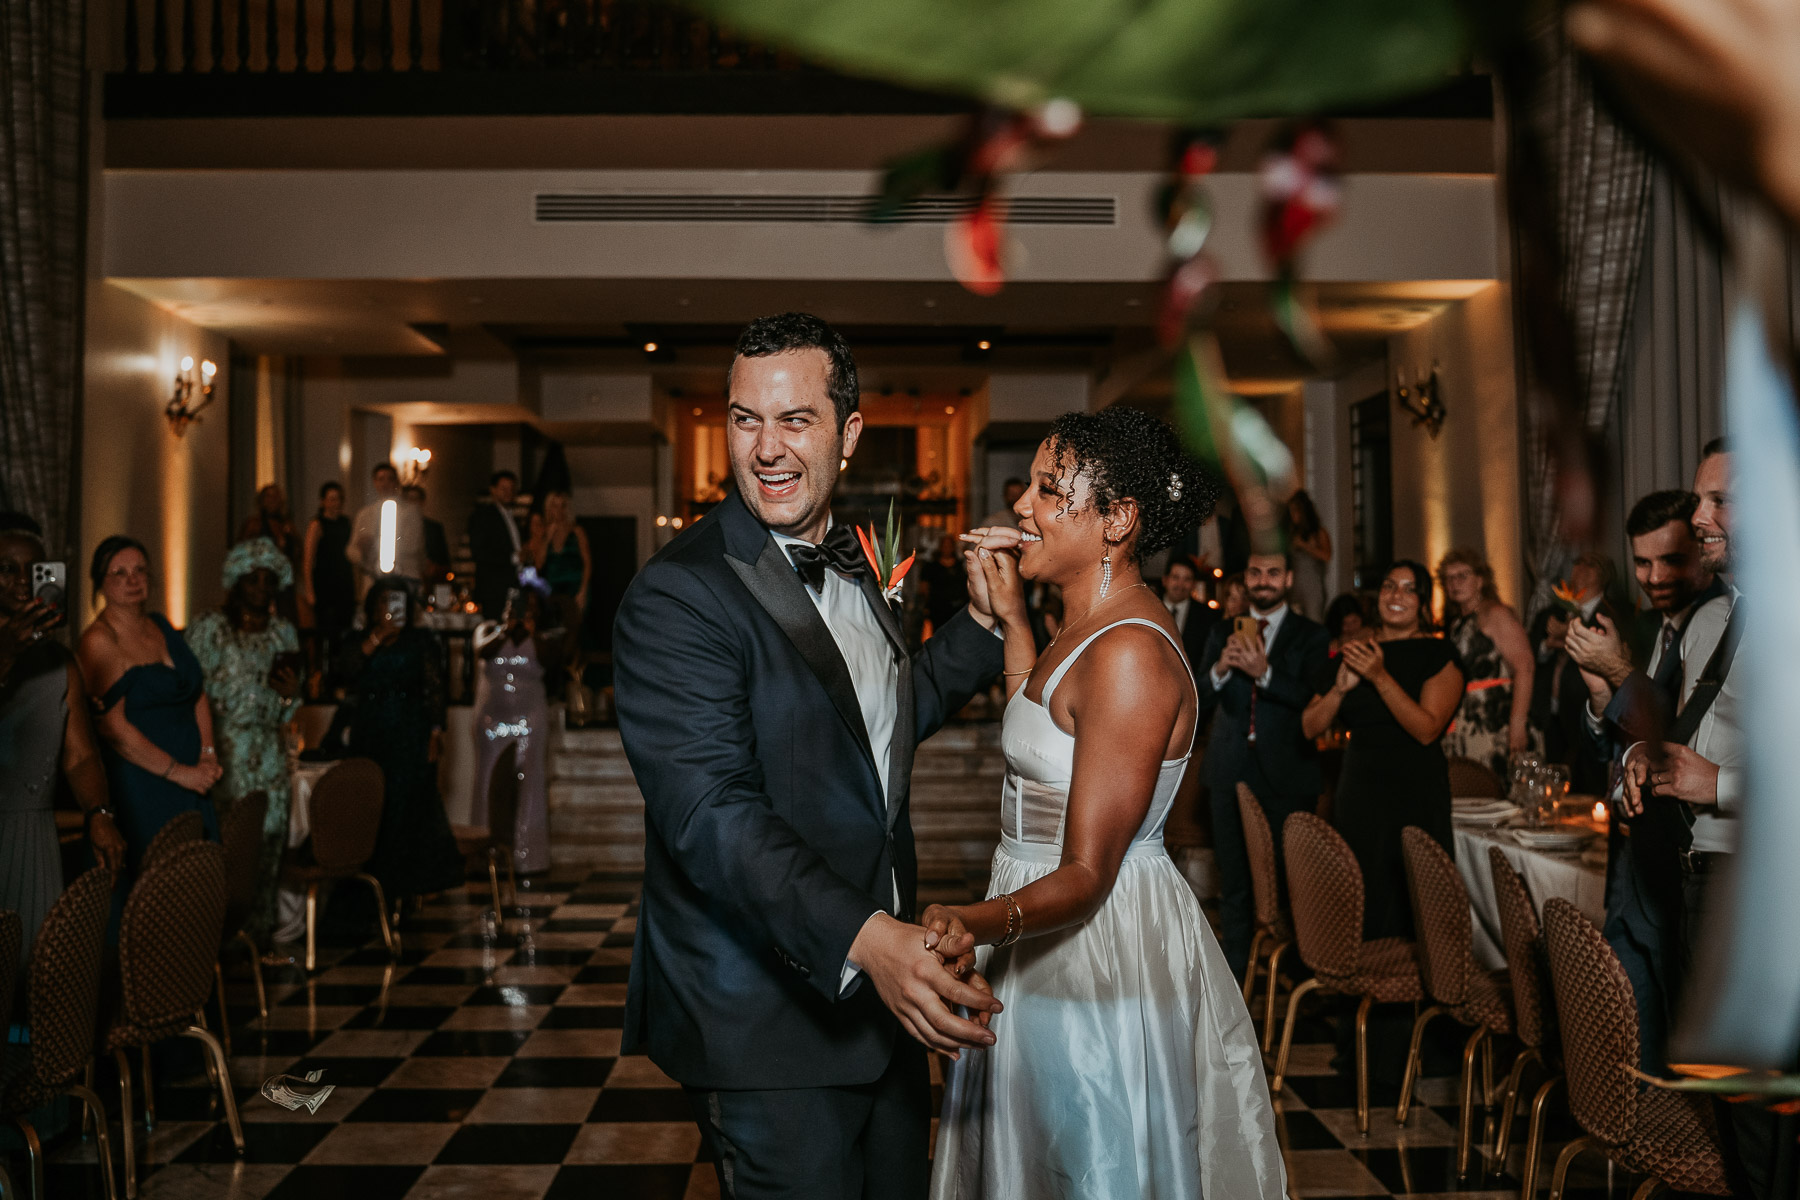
(177, 410)
(1423, 402)
(413, 465)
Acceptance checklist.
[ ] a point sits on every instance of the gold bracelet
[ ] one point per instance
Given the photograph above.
(1026, 671)
(1015, 920)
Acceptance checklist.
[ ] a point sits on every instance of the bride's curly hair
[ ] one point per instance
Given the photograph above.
(1126, 453)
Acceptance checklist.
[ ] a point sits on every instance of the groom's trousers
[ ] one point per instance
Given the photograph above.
(868, 1142)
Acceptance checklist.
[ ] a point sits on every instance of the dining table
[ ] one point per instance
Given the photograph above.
(1579, 878)
(290, 902)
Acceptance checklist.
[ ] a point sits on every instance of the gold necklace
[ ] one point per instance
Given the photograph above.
(1091, 611)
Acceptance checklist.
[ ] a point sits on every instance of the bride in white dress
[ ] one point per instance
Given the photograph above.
(1126, 1064)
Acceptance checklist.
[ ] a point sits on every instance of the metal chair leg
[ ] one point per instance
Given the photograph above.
(262, 995)
(1648, 1188)
(312, 927)
(1510, 1105)
(494, 887)
(1362, 1064)
(87, 1117)
(127, 1141)
(224, 1013)
(149, 1090)
(1465, 1127)
(1287, 1035)
(102, 1141)
(388, 937)
(1404, 1108)
(217, 1054)
(1256, 945)
(34, 1150)
(1269, 1008)
(1561, 1174)
(7, 1189)
(1487, 1073)
(1534, 1137)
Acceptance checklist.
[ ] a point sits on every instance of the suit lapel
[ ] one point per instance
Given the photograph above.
(772, 580)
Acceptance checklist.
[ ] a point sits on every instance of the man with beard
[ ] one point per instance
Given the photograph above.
(1643, 897)
(1259, 672)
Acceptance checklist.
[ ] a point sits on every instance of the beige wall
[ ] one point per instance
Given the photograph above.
(137, 477)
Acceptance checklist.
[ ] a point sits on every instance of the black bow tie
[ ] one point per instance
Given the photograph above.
(840, 551)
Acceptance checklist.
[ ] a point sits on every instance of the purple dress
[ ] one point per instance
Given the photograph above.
(510, 710)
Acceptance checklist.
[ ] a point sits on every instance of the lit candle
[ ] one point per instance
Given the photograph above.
(1599, 811)
(390, 522)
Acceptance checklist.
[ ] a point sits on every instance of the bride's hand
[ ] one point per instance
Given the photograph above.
(991, 562)
(955, 945)
(974, 980)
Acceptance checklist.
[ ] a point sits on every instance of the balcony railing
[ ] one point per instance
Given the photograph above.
(279, 57)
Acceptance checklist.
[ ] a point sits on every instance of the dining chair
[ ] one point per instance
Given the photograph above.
(178, 830)
(242, 836)
(1670, 1136)
(1534, 1016)
(62, 995)
(1274, 932)
(1470, 778)
(345, 812)
(1325, 896)
(1459, 987)
(494, 840)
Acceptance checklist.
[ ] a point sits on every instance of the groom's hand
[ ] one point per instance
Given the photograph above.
(915, 986)
(954, 944)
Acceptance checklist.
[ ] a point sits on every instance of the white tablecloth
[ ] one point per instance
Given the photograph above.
(290, 910)
(1582, 884)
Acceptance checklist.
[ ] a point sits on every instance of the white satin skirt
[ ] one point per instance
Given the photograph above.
(1126, 1064)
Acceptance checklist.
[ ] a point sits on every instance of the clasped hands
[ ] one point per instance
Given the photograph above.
(920, 971)
(1680, 775)
(1357, 661)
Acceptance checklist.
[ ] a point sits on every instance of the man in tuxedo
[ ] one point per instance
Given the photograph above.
(1193, 618)
(495, 545)
(770, 709)
(1260, 680)
(1643, 894)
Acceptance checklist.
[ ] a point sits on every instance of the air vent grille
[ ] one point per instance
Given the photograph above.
(812, 209)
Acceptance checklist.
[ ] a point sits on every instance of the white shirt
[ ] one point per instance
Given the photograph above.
(1179, 610)
(1274, 618)
(1717, 740)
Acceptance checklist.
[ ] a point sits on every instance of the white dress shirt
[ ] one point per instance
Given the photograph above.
(1274, 617)
(1179, 610)
(1717, 740)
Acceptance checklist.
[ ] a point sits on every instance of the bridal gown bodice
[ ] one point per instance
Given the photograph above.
(1125, 1062)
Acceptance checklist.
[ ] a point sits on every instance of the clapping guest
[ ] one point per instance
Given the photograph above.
(1346, 621)
(1559, 699)
(155, 724)
(44, 729)
(250, 658)
(1492, 723)
(1234, 597)
(559, 550)
(327, 584)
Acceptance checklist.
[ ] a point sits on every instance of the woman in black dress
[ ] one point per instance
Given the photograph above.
(327, 584)
(1394, 694)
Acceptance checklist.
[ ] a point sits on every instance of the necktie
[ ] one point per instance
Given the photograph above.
(840, 551)
(1262, 634)
(1668, 667)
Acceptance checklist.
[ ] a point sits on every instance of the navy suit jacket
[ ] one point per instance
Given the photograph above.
(768, 842)
(1282, 761)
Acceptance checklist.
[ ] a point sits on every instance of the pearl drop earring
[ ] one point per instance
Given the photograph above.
(1105, 575)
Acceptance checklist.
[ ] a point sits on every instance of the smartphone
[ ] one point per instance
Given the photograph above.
(1245, 625)
(50, 584)
(396, 607)
(292, 660)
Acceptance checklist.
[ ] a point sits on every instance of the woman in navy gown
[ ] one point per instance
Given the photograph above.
(154, 723)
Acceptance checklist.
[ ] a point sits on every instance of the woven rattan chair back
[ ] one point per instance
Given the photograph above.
(177, 831)
(169, 940)
(1524, 946)
(503, 798)
(12, 937)
(1440, 906)
(1470, 778)
(1599, 1023)
(1325, 895)
(242, 836)
(346, 815)
(1259, 843)
(63, 990)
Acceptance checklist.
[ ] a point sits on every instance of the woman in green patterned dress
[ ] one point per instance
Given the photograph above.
(254, 691)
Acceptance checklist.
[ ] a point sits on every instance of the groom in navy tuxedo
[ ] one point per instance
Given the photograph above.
(770, 710)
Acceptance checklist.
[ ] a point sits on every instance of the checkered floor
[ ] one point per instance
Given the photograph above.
(484, 1066)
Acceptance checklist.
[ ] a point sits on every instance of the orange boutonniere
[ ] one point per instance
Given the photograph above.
(883, 553)
(1568, 597)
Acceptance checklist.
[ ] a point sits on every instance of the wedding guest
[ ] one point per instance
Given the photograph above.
(1495, 655)
(155, 725)
(328, 586)
(1004, 516)
(1234, 597)
(394, 673)
(1346, 621)
(250, 656)
(1559, 699)
(1310, 545)
(270, 520)
(437, 541)
(559, 551)
(495, 544)
(364, 549)
(510, 710)
(1193, 619)
(44, 732)
(1394, 692)
(1259, 679)
(946, 588)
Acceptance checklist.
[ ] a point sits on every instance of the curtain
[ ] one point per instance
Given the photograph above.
(1580, 196)
(42, 232)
